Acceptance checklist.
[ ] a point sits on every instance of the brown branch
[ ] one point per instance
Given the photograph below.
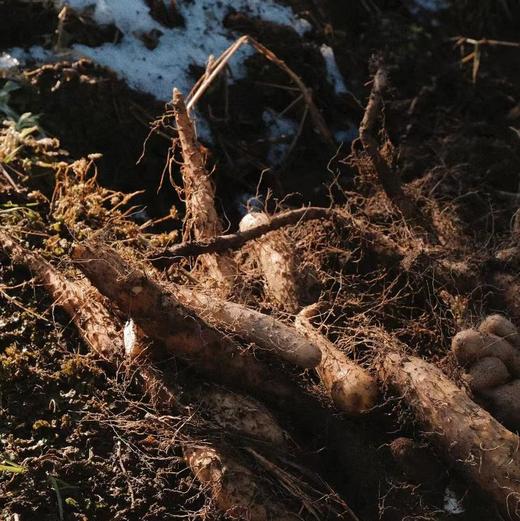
(389, 179)
(233, 241)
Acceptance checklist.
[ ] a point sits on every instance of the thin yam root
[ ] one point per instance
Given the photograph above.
(89, 315)
(263, 330)
(352, 388)
(469, 437)
(163, 318)
(491, 357)
(389, 179)
(202, 220)
(275, 254)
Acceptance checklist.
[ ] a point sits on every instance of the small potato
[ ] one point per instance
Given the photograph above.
(486, 373)
(502, 327)
(504, 402)
(467, 346)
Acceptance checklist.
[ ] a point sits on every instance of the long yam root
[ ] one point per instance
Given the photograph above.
(265, 331)
(88, 314)
(276, 258)
(469, 437)
(233, 486)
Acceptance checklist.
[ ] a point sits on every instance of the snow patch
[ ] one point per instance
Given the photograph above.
(333, 73)
(157, 71)
(7, 61)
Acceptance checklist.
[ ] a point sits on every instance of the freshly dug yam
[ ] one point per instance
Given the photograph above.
(468, 437)
(276, 258)
(486, 373)
(234, 488)
(352, 389)
(504, 403)
(500, 326)
(263, 330)
(417, 462)
(235, 412)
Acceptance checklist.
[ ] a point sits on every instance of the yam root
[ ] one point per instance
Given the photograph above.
(276, 258)
(89, 315)
(224, 409)
(389, 179)
(202, 220)
(469, 437)
(233, 486)
(492, 359)
(265, 331)
(163, 318)
(351, 387)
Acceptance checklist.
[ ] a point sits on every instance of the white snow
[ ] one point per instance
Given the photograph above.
(7, 61)
(157, 71)
(452, 504)
(333, 73)
(280, 131)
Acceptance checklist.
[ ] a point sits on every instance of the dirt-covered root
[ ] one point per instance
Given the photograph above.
(263, 330)
(78, 298)
(491, 357)
(233, 487)
(275, 255)
(156, 310)
(352, 389)
(469, 438)
(201, 220)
